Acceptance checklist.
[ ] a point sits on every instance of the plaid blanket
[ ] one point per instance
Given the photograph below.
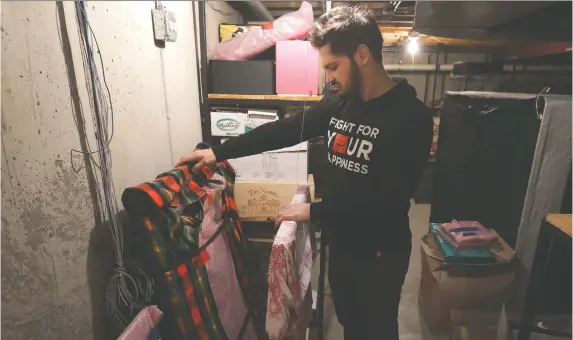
(170, 213)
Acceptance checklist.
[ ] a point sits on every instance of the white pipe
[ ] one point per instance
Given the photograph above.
(450, 67)
(260, 10)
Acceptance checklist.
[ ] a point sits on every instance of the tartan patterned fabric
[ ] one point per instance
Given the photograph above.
(170, 212)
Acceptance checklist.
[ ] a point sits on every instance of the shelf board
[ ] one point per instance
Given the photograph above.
(261, 99)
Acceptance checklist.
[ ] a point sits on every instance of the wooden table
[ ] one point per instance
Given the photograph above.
(555, 226)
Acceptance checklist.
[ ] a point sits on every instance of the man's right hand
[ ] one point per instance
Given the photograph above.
(202, 157)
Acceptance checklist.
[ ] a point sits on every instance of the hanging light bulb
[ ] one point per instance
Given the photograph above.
(413, 46)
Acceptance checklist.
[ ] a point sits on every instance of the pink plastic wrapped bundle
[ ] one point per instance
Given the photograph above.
(143, 324)
(291, 26)
(467, 234)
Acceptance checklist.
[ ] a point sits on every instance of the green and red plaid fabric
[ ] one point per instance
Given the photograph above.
(172, 253)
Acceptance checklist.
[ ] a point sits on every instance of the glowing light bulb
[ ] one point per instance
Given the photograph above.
(413, 45)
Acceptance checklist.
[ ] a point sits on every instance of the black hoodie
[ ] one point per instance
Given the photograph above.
(377, 151)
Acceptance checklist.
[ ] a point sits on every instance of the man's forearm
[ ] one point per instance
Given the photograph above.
(267, 137)
(281, 133)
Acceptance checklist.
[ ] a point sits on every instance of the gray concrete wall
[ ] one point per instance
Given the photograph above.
(216, 13)
(55, 257)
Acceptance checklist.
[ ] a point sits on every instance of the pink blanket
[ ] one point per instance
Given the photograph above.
(467, 234)
(143, 323)
(220, 268)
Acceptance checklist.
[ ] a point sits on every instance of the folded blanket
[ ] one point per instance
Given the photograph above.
(467, 234)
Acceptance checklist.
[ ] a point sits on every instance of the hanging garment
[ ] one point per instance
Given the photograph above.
(227, 293)
(289, 305)
(171, 216)
(485, 152)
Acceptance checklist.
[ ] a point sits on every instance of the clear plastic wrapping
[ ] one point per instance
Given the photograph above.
(291, 26)
(466, 234)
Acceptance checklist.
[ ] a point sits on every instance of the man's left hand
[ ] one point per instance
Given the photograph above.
(297, 212)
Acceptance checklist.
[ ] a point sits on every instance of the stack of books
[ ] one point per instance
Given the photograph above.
(465, 241)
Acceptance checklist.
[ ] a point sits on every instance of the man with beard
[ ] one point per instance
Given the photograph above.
(379, 138)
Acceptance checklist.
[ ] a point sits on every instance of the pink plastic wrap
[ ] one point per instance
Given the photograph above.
(143, 323)
(467, 234)
(291, 26)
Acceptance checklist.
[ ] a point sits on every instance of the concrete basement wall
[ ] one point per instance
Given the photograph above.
(55, 257)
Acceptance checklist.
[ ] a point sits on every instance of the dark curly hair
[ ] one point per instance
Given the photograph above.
(346, 27)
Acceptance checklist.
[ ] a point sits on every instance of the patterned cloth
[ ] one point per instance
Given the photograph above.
(289, 305)
(169, 209)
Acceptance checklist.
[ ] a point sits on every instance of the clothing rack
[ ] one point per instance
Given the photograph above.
(319, 314)
(208, 100)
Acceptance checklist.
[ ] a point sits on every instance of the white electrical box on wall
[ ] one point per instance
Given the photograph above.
(158, 18)
(164, 25)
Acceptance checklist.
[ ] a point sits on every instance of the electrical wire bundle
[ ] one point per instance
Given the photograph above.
(129, 289)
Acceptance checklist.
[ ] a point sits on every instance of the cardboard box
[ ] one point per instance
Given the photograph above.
(262, 201)
(227, 123)
(228, 31)
(444, 287)
(479, 325)
(291, 167)
(258, 117)
(311, 187)
(303, 147)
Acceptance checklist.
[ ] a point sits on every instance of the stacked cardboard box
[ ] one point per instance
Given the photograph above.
(478, 325)
(265, 183)
(447, 287)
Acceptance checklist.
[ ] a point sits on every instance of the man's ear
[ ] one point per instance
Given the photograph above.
(362, 55)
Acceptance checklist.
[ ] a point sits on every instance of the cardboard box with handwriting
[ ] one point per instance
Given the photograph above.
(262, 201)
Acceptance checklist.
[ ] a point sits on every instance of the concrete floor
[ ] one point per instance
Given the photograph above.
(411, 327)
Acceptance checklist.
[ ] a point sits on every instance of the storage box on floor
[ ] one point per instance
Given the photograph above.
(476, 325)
(446, 287)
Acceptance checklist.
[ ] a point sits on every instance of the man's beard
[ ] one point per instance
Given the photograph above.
(355, 82)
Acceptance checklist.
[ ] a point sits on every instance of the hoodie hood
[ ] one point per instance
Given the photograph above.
(403, 88)
(400, 92)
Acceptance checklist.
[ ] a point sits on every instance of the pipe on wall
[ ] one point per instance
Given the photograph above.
(449, 67)
(260, 10)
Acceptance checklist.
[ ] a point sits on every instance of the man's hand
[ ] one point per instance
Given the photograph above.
(202, 157)
(297, 212)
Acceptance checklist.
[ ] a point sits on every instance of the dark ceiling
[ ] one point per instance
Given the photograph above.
(516, 29)
(495, 20)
